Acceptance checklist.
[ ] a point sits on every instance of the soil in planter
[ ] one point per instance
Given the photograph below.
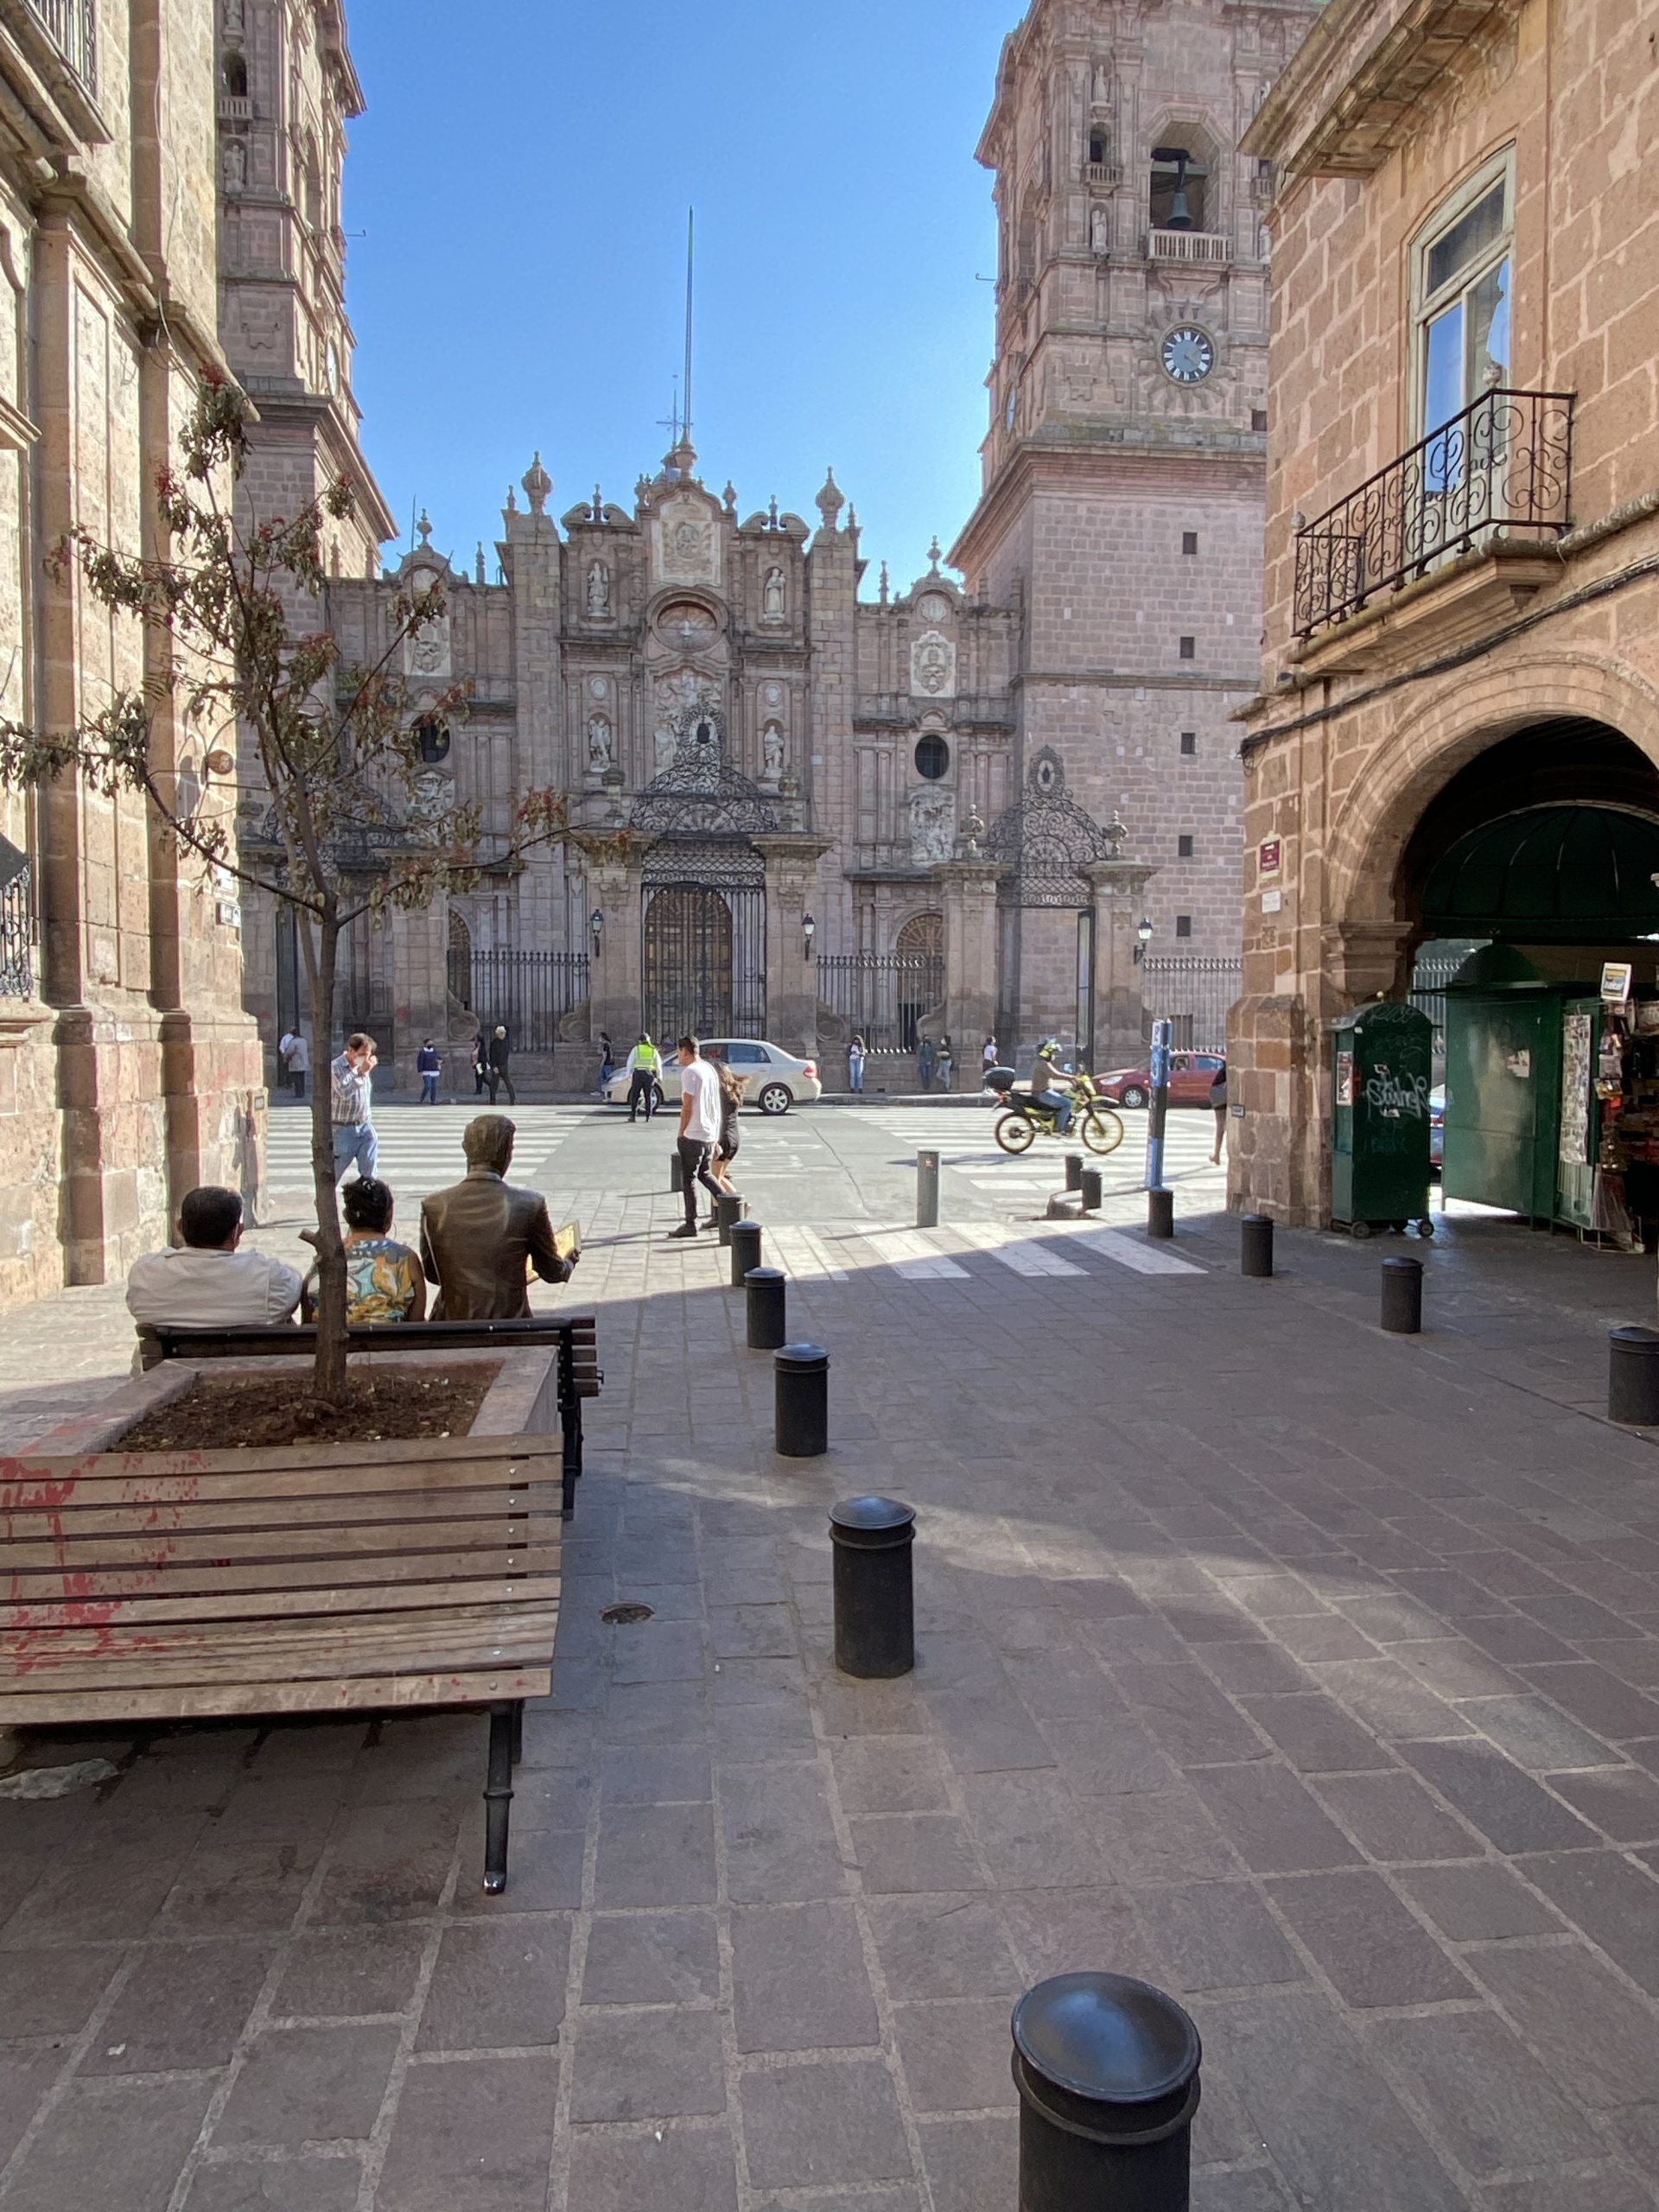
(259, 1412)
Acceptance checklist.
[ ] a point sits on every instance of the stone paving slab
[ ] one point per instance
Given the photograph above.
(1311, 1674)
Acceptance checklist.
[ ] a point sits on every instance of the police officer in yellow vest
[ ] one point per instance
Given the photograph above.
(645, 1069)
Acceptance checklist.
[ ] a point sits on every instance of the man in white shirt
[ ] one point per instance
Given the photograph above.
(297, 1059)
(207, 1281)
(699, 1129)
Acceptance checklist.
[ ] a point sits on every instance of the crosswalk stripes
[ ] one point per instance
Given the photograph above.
(1129, 1252)
(416, 1156)
(936, 1255)
(1022, 1255)
(907, 1252)
(804, 1254)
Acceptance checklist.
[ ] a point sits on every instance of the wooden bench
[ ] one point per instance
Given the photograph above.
(317, 1579)
(576, 1336)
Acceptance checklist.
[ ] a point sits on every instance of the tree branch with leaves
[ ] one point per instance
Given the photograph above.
(328, 748)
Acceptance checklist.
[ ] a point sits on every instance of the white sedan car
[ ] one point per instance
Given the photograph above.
(774, 1080)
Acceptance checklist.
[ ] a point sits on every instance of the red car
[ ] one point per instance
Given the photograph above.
(1191, 1075)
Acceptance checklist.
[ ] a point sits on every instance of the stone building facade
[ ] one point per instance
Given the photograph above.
(128, 1069)
(1463, 535)
(1124, 465)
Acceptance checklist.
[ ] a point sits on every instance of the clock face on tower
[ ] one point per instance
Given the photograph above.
(1187, 354)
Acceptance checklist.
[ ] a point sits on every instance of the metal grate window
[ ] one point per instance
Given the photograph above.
(73, 27)
(16, 924)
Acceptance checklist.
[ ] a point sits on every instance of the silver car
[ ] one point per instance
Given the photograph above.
(774, 1080)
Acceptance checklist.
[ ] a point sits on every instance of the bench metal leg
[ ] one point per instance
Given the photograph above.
(506, 1716)
(571, 1427)
(517, 1730)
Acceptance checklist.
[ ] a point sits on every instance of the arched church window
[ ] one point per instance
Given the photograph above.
(432, 735)
(922, 938)
(236, 76)
(1179, 199)
(1097, 149)
(932, 757)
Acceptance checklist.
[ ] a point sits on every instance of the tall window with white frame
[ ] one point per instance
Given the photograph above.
(1461, 275)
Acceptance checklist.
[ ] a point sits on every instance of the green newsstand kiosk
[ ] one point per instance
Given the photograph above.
(1382, 1071)
(1505, 1024)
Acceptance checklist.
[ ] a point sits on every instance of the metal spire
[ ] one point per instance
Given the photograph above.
(691, 269)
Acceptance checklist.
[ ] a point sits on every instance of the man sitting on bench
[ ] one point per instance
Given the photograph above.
(479, 1237)
(206, 1281)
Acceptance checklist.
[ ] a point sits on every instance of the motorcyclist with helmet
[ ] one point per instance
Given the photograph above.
(1051, 1085)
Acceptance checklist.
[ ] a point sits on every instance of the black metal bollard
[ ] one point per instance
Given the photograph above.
(1161, 1213)
(676, 1172)
(875, 1608)
(746, 1250)
(1255, 1244)
(1633, 1378)
(767, 1294)
(1074, 1171)
(1090, 1187)
(801, 1401)
(927, 1190)
(1107, 2069)
(1402, 1297)
(728, 1208)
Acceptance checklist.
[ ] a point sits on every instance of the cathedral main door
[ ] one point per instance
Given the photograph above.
(704, 961)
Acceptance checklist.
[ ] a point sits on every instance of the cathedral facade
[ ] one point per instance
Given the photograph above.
(1005, 796)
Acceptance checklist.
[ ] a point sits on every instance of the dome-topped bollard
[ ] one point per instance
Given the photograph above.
(1107, 2069)
(876, 1605)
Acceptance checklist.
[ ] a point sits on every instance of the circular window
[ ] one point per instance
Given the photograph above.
(932, 758)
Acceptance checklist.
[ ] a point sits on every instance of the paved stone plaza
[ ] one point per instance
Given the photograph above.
(1308, 1673)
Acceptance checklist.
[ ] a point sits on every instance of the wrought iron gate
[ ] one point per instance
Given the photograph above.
(530, 993)
(703, 949)
(882, 996)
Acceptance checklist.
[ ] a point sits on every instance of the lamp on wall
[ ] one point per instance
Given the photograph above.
(1143, 936)
(596, 926)
(809, 931)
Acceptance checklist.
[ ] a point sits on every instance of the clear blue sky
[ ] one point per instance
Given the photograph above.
(522, 177)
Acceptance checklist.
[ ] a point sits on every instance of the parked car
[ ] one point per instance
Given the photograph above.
(1191, 1075)
(774, 1080)
(1437, 1127)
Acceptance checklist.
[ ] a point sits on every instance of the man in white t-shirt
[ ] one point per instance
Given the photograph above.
(699, 1129)
(206, 1281)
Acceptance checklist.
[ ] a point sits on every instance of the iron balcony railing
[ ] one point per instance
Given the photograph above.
(1503, 467)
(16, 925)
(73, 27)
(1208, 246)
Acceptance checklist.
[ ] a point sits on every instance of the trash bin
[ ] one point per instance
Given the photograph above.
(1382, 1069)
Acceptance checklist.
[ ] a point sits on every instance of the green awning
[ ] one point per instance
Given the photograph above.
(1549, 875)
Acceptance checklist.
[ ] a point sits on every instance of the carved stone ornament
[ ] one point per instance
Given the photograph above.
(933, 606)
(599, 745)
(429, 801)
(686, 626)
(933, 666)
(597, 687)
(1046, 840)
(774, 596)
(599, 588)
(427, 650)
(772, 752)
(688, 550)
(932, 824)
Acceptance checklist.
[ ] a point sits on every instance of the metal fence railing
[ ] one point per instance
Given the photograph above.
(16, 925)
(73, 26)
(882, 996)
(529, 993)
(1192, 990)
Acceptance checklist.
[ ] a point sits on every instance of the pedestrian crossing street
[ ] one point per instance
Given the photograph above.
(420, 1145)
(975, 1155)
(936, 1255)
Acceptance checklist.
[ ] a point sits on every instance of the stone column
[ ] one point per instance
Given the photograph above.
(792, 859)
(968, 893)
(419, 946)
(1120, 889)
(614, 867)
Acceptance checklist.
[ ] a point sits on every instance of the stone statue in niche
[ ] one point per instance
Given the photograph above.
(668, 744)
(599, 588)
(234, 164)
(233, 16)
(772, 752)
(600, 751)
(774, 601)
(1100, 230)
(932, 824)
(428, 648)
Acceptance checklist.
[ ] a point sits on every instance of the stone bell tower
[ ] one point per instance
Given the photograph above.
(1124, 467)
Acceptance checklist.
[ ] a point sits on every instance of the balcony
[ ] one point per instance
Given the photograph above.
(1208, 247)
(1499, 472)
(1103, 176)
(72, 27)
(234, 108)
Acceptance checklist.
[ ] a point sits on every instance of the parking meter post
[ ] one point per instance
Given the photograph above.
(927, 1190)
(1402, 1297)
(746, 1250)
(1162, 1033)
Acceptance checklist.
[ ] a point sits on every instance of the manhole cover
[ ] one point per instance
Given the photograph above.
(625, 1616)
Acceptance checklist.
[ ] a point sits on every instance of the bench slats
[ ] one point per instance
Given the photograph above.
(437, 1538)
(359, 1694)
(421, 1643)
(258, 1592)
(119, 1478)
(342, 1509)
(283, 1459)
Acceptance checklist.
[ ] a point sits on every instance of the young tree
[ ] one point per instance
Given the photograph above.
(327, 750)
